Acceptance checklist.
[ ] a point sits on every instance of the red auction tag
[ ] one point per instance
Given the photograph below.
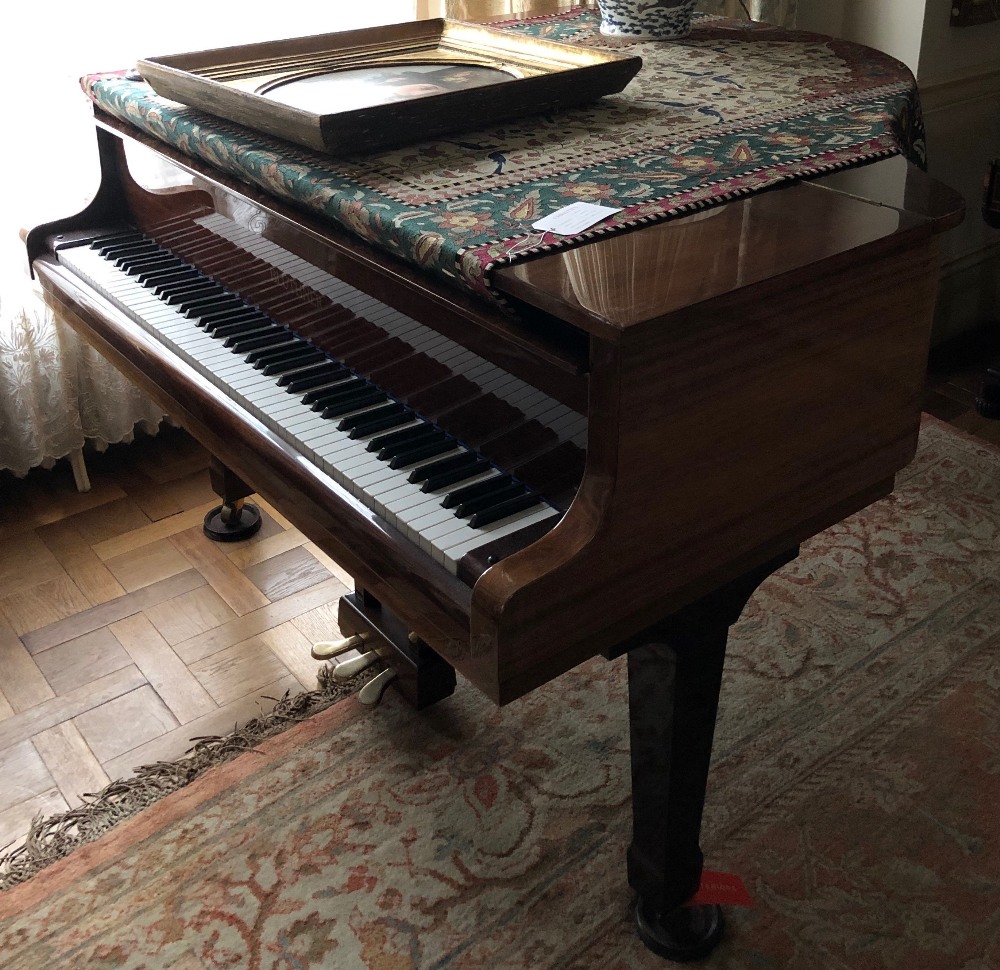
(721, 889)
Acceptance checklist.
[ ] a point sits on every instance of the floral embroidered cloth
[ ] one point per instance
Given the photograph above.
(733, 108)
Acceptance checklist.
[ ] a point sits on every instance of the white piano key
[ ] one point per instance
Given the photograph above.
(417, 514)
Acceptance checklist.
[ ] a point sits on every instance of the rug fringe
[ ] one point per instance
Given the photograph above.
(53, 838)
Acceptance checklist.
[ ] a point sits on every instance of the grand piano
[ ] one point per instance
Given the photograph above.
(609, 464)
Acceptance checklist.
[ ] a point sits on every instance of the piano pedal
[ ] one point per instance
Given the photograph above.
(347, 669)
(372, 692)
(326, 649)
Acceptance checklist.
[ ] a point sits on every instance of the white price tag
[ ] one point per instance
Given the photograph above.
(574, 218)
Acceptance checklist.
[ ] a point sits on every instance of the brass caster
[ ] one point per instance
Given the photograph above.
(334, 648)
(347, 669)
(372, 692)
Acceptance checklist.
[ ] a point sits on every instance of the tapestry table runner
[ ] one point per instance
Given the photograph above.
(734, 108)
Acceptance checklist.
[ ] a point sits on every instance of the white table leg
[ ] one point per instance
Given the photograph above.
(79, 467)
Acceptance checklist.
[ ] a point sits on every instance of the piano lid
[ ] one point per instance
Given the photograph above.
(463, 206)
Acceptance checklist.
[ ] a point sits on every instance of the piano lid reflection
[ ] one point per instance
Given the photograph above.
(613, 467)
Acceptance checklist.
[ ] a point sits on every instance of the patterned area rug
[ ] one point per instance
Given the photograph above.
(734, 108)
(854, 789)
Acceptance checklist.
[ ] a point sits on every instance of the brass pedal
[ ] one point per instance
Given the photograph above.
(372, 692)
(326, 649)
(347, 669)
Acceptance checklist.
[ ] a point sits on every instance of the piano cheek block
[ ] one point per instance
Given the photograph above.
(422, 675)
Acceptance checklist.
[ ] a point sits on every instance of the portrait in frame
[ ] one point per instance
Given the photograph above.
(365, 90)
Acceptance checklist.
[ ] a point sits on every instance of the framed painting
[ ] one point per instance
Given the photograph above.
(364, 90)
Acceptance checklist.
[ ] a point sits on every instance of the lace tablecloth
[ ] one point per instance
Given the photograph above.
(56, 392)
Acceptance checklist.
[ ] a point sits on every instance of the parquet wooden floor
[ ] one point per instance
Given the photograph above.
(125, 633)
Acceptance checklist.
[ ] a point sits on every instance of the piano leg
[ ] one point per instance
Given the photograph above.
(674, 681)
(234, 519)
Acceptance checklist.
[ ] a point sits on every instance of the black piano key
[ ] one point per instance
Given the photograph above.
(209, 296)
(292, 360)
(210, 318)
(404, 438)
(244, 327)
(116, 254)
(481, 503)
(452, 477)
(281, 353)
(501, 511)
(294, 366)
(257, 340)
(137, 250)
(318, 395)
(291, 342)
(186, 277)
(322, 396)
(418, 437)
(469, 492)
(154, 278)
(105, 243)
(235, 329)
(177, 295)
(390, 415)
(247, 315)
(419, 452)
(132, 266)
(209, 304)
(443, 466)
(368, 396)
(161, 284)
(314, 377)
(318, 371)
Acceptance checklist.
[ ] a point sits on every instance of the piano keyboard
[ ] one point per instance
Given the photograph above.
(439, 489)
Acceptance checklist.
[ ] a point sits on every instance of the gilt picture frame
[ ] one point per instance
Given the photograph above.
(367, 90)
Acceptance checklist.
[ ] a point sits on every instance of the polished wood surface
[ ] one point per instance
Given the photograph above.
(725, 432)
(637, 278)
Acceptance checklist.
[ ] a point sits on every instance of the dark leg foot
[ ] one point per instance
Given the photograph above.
(673, 685)
(234, 519)
(231, 523)
(684, 934)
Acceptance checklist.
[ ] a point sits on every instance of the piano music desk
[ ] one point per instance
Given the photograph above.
(749, 375)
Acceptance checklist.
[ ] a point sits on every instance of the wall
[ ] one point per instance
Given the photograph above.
(893, 26)
(959, 74)
(958, 71)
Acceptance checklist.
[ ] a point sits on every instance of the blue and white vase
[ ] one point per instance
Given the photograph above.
(646, 19)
